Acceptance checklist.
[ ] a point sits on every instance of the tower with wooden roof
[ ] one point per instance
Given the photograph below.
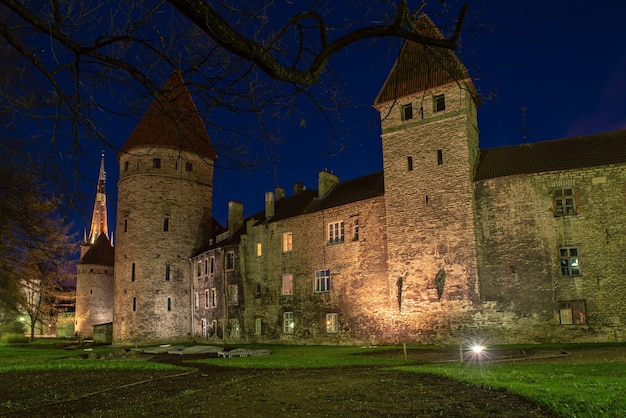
(164, 211)
(430, 149)
(94, 277)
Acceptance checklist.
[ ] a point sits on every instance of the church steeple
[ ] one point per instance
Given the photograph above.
(99, 218)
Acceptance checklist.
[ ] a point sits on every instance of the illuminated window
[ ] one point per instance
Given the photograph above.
(355, 229)
(440, 103)
(259, 249)
(257, 326)
(573, 312)
(287, 241)
(156, 163)
(322, 281)
(233, 294)
(331, 323)
(564, 203)
(335, 232)
(406, 112)
(287, 284)
(230, 260)
(570, 263)
(288, 323)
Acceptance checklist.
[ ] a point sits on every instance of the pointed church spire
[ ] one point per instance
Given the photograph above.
(99, 218)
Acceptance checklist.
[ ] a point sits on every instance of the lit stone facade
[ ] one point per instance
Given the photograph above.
(449, 243)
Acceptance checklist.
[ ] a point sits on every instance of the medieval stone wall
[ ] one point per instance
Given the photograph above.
(94, 298)
(358, 283)
(163, 216)
(519, 260)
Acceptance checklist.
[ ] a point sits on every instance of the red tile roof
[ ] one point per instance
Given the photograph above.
(560, 154)
(101, 252)
(172, 120)
(420, 67)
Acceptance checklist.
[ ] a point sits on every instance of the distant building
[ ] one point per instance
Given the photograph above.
(448, 243)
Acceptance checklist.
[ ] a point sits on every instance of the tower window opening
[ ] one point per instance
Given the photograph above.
(439, 157)
(440, 103)
(167, 272)
(156, 163)
(188, 166)
(125, 225)
(132, 272)
(169, 304)
(407, 112)
(409, 163)
(166, 223)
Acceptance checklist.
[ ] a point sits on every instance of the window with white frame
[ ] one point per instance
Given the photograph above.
(287, 284)
(213, 298)
(570, 263)
(203, 326)
(196, 300)
(322, 280)
(573, 312)
(230, 260)
(335, 232)
(206, 298)
(564, 203)
(287, 241)
(288, 323)
(331, 323)
(257, 326)
(233, 294)
(259, 249)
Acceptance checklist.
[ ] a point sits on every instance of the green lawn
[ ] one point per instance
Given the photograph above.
(573, 390)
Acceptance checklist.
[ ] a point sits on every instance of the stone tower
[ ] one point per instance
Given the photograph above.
(163, 214)
(94, 276)
(430, 150)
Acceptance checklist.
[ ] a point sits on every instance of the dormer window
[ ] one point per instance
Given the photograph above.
(440, 103)
(407, 111)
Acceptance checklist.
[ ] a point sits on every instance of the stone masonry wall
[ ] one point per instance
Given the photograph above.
(94, 298)
(149, 306)
(519, 258)
(358, 292)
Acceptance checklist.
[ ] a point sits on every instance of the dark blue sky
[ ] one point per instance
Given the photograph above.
(565, 61)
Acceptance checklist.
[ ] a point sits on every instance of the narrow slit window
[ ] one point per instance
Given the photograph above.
(166, 223)
(439, 157)
(409, 163)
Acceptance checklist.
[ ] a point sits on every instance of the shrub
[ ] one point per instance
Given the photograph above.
(11, 326)
(9, 339)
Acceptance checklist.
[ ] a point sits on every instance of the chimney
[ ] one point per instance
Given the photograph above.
(298, 188)
(279, 192)
(269, 204)
(326, 182)
(235, 216)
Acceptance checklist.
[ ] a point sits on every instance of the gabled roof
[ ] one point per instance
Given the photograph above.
(172, 120)
(101, 252)
(560, 154)
(420, 67)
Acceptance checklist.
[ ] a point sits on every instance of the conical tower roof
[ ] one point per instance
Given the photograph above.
(421, 67)
(99, 218)
(172, 120)
(101, 252)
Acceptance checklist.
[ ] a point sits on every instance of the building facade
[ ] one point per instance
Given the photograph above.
(448, 243)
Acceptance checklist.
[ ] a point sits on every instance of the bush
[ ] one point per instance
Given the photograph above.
(12, 326)
(9, 339)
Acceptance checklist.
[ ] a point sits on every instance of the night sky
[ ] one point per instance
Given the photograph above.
(565, 61)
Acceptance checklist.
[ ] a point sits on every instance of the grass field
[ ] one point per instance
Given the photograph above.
(589, 389)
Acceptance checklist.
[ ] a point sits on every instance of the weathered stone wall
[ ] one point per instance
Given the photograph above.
(430, 214)
(146, 196)
(223, 317)
(358, 293)
(94, 298)
(520, 237)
